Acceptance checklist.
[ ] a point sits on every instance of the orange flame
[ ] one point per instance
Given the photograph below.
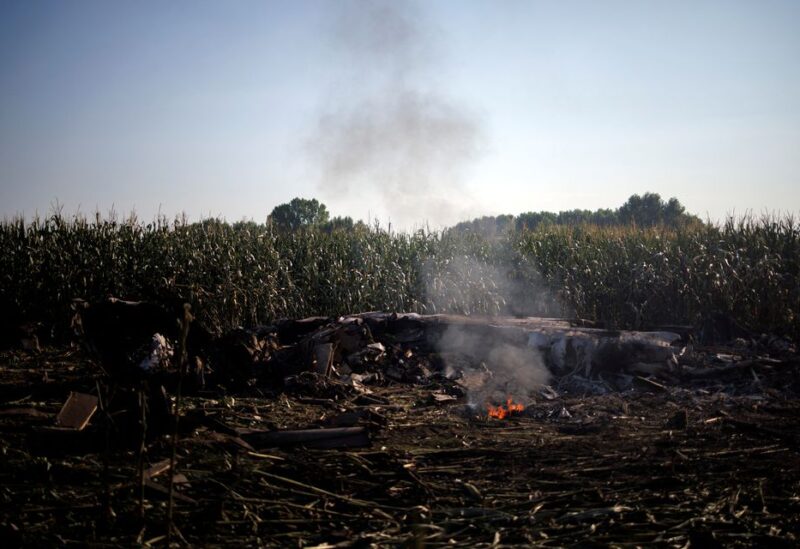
(502, 412)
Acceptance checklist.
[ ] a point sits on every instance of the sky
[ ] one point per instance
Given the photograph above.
(410, 113)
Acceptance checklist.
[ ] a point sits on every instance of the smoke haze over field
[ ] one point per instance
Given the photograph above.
(402, 110)
(388, 134)
(495, 288)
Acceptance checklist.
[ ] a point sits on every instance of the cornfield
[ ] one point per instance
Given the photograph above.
(246, 273)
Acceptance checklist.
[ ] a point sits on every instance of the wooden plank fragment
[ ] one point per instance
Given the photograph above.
(77, 411)
(157, 469)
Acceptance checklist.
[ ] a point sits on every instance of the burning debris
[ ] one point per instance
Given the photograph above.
(504, 411)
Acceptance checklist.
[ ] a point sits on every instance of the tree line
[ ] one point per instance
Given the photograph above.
(647, 210)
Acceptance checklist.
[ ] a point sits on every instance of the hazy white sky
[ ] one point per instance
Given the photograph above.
(406, 112)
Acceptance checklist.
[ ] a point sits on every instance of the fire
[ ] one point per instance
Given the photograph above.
(501, 412)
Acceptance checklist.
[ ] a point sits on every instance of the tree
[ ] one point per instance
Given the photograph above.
(532, 220)
(645, 210)
(674, 212)
(649, 209)
(490, 226)
(300, 212)
(339, 223)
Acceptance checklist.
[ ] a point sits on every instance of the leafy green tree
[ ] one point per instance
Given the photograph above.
(649, 209)
(532, 220)
(300, 212)
(490, 226)
(605, 217)
(675, 213)
(645, 210)
(339, 223)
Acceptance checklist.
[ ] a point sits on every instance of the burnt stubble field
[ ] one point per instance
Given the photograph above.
(701, 450)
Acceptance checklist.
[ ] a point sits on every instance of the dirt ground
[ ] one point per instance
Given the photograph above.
(701, 461)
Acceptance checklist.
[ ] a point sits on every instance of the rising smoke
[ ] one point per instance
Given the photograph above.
(389, 134)
(464, 284)
(492, 369)
(494, 364)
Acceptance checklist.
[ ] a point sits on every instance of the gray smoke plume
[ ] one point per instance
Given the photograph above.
(388, 134)
(494, 363)
(492, 370)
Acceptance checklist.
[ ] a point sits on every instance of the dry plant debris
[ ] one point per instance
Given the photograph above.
(362, 432)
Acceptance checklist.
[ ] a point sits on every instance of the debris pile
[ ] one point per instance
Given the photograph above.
(385, 429)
